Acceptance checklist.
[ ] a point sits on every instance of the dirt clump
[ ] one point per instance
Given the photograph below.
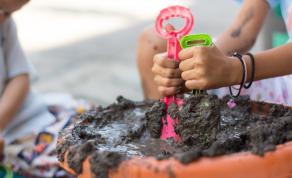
(153, 117)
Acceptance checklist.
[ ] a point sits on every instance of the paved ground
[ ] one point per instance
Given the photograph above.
(88, 49)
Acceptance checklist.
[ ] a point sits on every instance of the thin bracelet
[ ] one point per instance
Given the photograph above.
(246, 86)
(239, 56)
(245, 70)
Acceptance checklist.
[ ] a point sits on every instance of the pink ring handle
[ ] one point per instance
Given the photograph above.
(173, 48)
(170, 12)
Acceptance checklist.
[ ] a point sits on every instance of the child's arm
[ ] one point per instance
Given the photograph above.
(17, 86)
(209, 68)
(239, 37)
(12, 98)
(242, 33)
(274, 62)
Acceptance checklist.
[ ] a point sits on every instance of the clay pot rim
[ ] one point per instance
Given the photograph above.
(245, 158)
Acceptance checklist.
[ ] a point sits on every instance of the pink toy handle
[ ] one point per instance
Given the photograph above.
(173, 36)
(173, 49)
(170, 12)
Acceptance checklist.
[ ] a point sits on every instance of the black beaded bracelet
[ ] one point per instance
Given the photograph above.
(246, 86)
(239, 56)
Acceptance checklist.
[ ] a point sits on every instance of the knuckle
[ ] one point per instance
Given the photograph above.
(200, 60)
(189, 85)
(155, 58)
(161, 90)
(165, 82)
(204, 85)
(203, 71)
(167, 91)
(184, 76)
(203, 50)
(153, 69)
(195, 50)
(158, 59)
(181, 54)
(169, 73)
(181, 66)
(173, 90)
(156, 79)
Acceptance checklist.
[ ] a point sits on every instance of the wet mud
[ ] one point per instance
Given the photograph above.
(199, 120)
(207, 126)
(153, 118)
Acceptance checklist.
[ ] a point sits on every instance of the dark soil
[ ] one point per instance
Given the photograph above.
(208, 127)
(153, 118)
(199, 120)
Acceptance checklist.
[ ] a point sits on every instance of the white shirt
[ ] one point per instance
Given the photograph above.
(12, 63)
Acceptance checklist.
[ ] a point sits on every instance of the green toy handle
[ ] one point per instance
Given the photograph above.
(196, 40)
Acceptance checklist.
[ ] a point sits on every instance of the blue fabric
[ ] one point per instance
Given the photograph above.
(286, 8)
(273, 3)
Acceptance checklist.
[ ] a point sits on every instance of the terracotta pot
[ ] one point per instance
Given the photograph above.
(276, 164)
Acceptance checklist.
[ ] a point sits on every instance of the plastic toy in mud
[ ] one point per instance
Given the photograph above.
(173, 48)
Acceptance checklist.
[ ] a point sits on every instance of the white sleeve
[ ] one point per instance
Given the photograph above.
(15, 59)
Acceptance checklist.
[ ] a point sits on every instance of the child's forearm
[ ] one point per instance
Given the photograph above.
(12, 98)
(274, 62)
(241, 34)
(270, 63)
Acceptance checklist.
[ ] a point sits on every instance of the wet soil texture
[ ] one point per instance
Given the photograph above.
(208, 127)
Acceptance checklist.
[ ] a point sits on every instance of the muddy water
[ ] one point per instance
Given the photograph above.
(207, 128)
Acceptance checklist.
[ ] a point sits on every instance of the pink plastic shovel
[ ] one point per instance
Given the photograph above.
(173, 48)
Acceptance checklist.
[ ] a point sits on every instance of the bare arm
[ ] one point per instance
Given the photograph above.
(12, 98)
(272, 63)
(241, 34)
(209, 68)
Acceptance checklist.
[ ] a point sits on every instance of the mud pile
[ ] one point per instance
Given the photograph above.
(208, 127)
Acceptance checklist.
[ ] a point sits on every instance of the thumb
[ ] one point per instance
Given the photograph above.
(169, 28)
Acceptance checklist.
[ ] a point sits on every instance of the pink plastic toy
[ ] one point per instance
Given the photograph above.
(231, 104)
(173, 49)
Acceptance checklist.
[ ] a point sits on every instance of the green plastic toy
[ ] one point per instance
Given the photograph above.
(196, 40)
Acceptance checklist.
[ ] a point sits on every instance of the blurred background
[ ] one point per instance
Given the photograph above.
(87, 48)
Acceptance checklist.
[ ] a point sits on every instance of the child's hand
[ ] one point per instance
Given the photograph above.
(208, 68)
(167, 75)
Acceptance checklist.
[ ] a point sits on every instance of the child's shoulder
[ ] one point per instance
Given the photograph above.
(8, 26)
(8, 30)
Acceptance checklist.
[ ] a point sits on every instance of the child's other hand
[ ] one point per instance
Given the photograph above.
(208, 68)
(167, 75)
